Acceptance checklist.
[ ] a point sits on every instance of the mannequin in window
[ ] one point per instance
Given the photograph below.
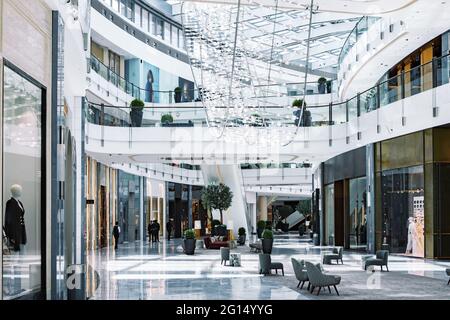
(14, 219)
(149, 87)
(411, 230)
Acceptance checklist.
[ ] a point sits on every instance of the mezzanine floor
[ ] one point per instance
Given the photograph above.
(160, 271)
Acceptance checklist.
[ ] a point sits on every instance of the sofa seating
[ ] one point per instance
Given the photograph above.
(209, 244)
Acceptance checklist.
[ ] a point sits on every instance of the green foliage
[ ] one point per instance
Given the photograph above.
(298, 103)
(215, 223)
(268, 225)
(166, 118)
(241, 231)
(267, 234)
(217, 197)
(322, 80)
(189, 234)
(261, 224)
(178, 90)
(137, 104)
(304, 206)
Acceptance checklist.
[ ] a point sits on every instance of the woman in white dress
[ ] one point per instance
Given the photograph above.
(411, 231)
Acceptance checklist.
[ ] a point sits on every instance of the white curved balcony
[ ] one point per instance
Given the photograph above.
(381, 113)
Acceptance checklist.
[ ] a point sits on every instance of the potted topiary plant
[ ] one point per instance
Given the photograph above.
(217, 197)
(260, 226)
(136, 113)
(322, 84)
(166, 119)
(177, 94)
(306, 117)
(214, 224)
(242, 236)
(189, 241)
(329, 86)
(267, 241)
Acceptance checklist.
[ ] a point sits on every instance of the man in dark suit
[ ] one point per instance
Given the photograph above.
(15, 219)
(169, 227)
(116, 234)
(151, 233)
(157, 228)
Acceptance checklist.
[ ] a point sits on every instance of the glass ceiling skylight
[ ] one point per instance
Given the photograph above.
(244, 55)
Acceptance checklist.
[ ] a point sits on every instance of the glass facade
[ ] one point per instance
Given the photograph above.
(403, 210)
(22, 204)
(148, 22)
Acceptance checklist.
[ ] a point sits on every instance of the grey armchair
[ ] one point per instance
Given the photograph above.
(447, 271)
(224, 255)
(335, 255)
(319, 280)
(381, 259)
(300, 272)
(266, 265)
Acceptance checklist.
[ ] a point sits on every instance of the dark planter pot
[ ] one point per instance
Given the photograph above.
(189, 246)
(259, 231)
(322, 87)
(267, 245)
(177, 97)
(136, 117)
(241, 239)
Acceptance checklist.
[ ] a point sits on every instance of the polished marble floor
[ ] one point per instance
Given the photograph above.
(162, 272)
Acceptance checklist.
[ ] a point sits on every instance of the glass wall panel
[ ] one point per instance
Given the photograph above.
(22, 152)
(329, 213)
(357, 214)
(403, 210)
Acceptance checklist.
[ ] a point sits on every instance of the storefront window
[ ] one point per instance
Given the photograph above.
(403, 210)
(357, 214)
(22, 174)
(329, 214)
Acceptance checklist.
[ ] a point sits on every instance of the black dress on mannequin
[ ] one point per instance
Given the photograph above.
(15, 223)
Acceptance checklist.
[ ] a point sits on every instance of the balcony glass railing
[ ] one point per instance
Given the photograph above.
(361, 27)
(419, 79)
(168, 97)
(149, 96)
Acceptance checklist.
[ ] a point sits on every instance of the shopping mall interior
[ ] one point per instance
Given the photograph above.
(225, 149)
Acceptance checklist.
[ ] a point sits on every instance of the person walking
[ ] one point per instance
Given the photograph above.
(157, 228)
(116, 235)
(150, 232)
(169, 227)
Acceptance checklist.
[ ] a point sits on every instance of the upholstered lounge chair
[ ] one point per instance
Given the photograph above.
(317, 279)
(381, 259)
(266, 265)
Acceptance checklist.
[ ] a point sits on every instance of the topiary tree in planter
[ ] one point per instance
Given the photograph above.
(242, 236)
(267, 241)
(322, 84)
(260, 226)
(136, 113)
(329, 86)
(218, 197)
(166, 119)
(177, 94)
(189, 241)
(306, 116)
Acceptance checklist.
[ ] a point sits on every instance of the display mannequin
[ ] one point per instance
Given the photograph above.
(14, 219)
(411, 230)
